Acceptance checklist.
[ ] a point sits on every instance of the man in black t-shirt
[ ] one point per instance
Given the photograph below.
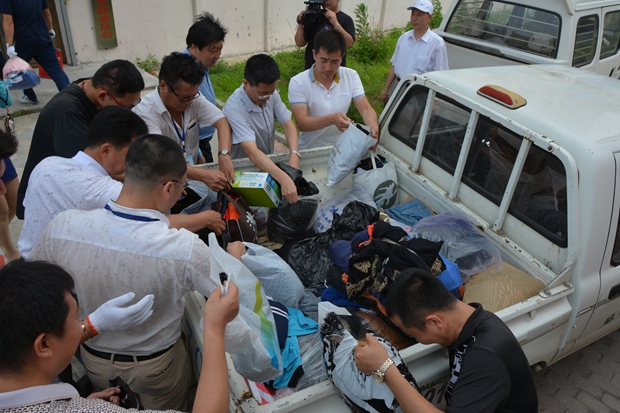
(489, 371)
(334, 18)
(62, 126)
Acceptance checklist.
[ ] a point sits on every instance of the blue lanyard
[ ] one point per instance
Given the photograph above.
(181, 137)
(129, 216)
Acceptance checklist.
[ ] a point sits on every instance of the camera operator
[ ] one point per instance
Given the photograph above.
(328, 17)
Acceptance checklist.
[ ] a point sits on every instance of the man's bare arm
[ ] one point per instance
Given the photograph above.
(9, 28)
(48, 18)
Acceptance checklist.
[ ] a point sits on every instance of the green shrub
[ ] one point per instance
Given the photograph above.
(437, 15)
(369, 44)
(150, 64)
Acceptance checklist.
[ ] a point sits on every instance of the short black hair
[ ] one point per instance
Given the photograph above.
(153, 159)
(180, 66)
(32, 302)
(119, 77)
(115, 125)
(414, 294)
(261, 68)
(330, 40)
(8, 144)
(206, 30)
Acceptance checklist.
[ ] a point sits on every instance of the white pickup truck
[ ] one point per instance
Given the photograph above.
(531, 154)
(578, 33)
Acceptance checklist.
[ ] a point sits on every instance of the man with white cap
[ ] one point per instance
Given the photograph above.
(418, 51)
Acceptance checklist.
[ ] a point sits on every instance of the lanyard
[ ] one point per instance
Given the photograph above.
(181, 137)
(129, 216)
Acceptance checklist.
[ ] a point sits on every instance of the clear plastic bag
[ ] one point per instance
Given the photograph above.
(277, 278)
(347, 152)
(18, 74)
(251, 338)
(311, 350)
(463, 244)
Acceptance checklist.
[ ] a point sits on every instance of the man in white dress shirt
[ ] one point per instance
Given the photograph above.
(84, 181)
(176, 108)
(128, 246)
(417, 51)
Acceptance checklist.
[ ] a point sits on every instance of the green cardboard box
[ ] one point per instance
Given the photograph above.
(257, 189)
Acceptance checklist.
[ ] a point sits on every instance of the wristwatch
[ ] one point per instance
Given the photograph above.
(379, 374)
(297, 153)
(224, 152)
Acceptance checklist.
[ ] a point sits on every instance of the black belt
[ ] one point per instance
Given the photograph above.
(123, 357)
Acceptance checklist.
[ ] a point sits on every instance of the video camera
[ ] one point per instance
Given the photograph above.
(314, 11)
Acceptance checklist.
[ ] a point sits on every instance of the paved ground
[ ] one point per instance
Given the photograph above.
(587, 381)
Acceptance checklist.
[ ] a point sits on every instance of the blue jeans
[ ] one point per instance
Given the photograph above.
(45, 55)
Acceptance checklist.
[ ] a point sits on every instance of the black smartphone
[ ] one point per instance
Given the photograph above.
(127, 398)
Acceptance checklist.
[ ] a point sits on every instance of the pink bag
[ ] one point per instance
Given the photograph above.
(18, 74)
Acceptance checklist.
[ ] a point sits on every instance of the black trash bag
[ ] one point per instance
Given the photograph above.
(304, 187)
(309, 258)
(290, 222)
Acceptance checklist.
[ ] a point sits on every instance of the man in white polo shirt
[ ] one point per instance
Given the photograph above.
(252, 111)
(176, 108)
(320, 96)
(417, 51)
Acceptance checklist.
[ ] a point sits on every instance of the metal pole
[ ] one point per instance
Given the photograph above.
(67, 38)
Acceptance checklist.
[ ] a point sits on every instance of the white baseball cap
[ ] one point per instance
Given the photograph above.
(423, 5)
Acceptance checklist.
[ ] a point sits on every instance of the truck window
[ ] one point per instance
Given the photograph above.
(540, 196)
(585, 40)
(528, 29)
(610, 43)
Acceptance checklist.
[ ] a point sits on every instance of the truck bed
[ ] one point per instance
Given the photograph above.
(529, 318)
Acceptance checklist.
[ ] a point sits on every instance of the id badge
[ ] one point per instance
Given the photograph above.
(189, 159)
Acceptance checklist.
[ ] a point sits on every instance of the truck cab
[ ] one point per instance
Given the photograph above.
(577, 33)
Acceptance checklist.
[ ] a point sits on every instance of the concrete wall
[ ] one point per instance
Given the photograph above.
(160, 26)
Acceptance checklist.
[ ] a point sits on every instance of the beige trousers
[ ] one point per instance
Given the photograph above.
(162, 382)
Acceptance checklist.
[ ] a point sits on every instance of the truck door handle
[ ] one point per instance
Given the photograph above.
(614, 292)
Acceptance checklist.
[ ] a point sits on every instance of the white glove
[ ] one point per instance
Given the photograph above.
(52, 33)
(10, 51)
(111, 316)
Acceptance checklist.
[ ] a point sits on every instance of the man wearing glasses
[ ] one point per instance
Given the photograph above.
(252, 110)
(63, 124)
(176, 108)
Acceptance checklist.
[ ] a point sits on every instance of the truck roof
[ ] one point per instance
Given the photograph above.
(588, 4)
(562, 102)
